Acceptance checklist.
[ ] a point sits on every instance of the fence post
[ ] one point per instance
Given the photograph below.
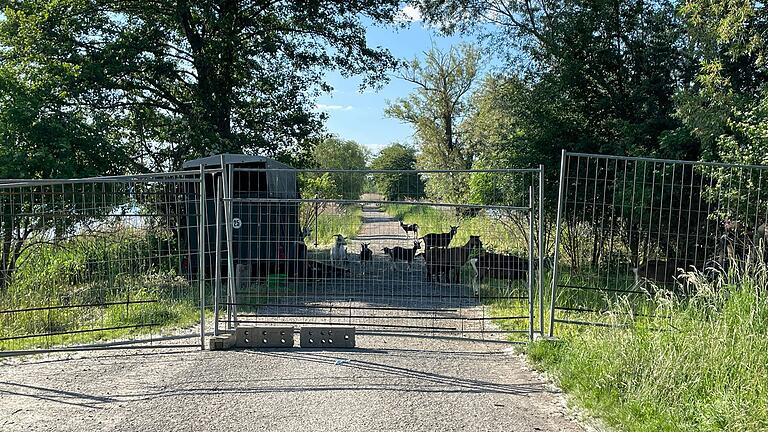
(217, 258)
(226, 173)
(530, 263)
(556, 258)
(541, 249)
(201, 231)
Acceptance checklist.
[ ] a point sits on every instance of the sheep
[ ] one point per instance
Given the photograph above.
(450, 260)
(408, 228)
(366, 254)
(439, 240)
(398, 253)
(339, 251)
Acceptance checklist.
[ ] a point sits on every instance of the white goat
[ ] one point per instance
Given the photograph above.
(339, 251)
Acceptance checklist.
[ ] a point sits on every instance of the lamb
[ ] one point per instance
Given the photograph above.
(450, 260)
(439, 240)
(408, 228)
(402, 254)
(339, 251)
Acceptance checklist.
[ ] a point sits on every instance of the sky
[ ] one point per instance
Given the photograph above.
(360, 116)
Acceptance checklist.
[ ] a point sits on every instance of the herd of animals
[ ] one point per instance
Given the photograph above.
(444, 263)
(441, 262)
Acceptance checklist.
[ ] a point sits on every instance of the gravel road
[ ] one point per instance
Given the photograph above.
(390, 383)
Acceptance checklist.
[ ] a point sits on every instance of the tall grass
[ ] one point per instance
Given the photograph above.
(700, 365)
(344, 220)
(127, 281)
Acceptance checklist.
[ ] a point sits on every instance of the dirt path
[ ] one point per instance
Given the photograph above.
(388, 383)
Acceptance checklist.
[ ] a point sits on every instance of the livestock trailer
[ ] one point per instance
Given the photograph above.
(266, 232)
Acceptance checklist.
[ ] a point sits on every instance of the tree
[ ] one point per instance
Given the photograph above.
(605, 72)
(41, 137)
(177, 79)
(398, 186)
(727, 107)
(435, 109)
(335, 153)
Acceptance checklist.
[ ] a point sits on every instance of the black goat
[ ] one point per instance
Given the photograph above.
(449, 260)
(319, 270)
(439, 240)
(366, 254)
(410, 228)
(489, 265)
(398, 253)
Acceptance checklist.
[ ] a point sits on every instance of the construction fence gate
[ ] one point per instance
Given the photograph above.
(369, 249)
(163, 260)
(629, 229)
(166, 259)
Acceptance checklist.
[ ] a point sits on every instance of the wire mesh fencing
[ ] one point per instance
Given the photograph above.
(631, 229)
(105, 260)
(429, 252)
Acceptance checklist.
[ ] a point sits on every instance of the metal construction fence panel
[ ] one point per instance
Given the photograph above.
(429, 252)
(142, 260)
(101, 262)
(629, 228)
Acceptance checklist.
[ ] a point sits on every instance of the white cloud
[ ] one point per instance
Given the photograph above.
(324, 107)
(409, 14)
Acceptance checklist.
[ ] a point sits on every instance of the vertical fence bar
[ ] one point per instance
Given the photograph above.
(541, 250)
(231, 298)
(530, 262)
(217, 257)
(556, 258)
(201, 255)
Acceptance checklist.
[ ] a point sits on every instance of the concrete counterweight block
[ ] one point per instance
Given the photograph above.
(327, 337)
(263, 337)
(222, 342)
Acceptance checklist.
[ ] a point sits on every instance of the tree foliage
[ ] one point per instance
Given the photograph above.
(443, 82)
(337, 154)
(175, 80)
(397, 186)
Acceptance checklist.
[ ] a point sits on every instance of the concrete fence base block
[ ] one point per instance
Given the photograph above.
(327, 337)
(263, 337)
(222, 342)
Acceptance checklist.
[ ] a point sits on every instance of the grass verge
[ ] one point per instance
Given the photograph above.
(701, 367)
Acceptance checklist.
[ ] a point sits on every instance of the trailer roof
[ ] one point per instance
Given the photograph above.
(233, 159)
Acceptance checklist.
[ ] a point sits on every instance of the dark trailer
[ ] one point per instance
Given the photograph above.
(266, 235)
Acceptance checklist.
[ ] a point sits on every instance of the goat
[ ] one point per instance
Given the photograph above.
(439, 240)
(339, 251)
(408, 228)
(366, 254)
(449, 260)
(489, 265)
(398, 253)
(319, 270)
